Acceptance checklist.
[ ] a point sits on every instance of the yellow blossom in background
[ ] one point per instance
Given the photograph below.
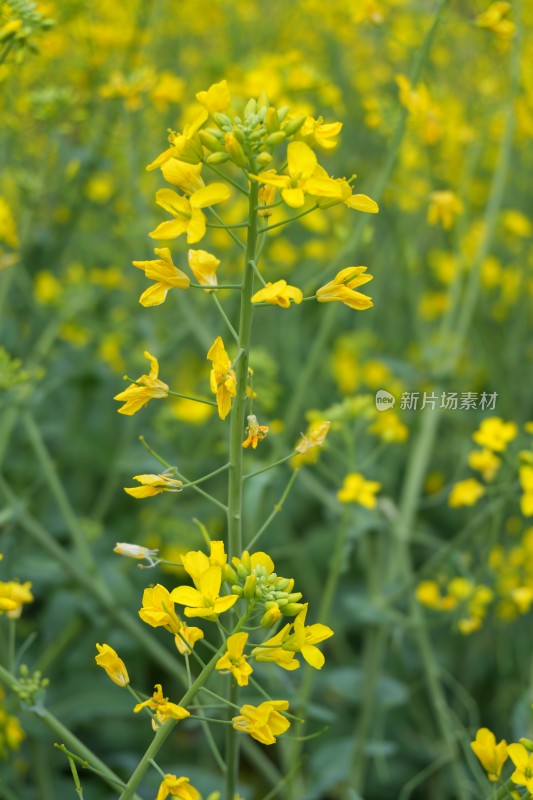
(109, 660)
(164, 273)
(308, 446)
(152, 485)
(523, 761)
(341, 289)
(136, 396)
(278, 294)
(187, 213)
(444, 206)
(204, 266)
(356, 489)
(493, 19)
(491, 755)
(13, 596)
(177, 787)
(466, 493)
(525, 474)
(216, 98)
(204, 600)
(495, 434)
(485, 462)
(388, 427)
(263, 722)
(8, 229)
(222, 378)
(256, 432)
(301, 181)
(162, 708)
(234, 659)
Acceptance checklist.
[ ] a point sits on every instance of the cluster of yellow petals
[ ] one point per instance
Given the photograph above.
(256, 432)
(115, 668)
(356, 489)
(162, 708)
(234, 660)
(222, 378)
(152, 485)
(263, 722)
(13, 596)
(145, 388)
(342, 289)
(177, 787)
(279, 293)
(164, 273)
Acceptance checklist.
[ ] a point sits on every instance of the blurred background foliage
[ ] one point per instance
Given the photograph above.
(87, 93)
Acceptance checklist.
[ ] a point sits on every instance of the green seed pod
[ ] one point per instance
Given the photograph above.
(217, 158)
(294, 125)
(276, 138)
(250, 586)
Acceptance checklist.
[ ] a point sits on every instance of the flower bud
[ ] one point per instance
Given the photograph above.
(270, 617)
(242, 572)
(264, 159)
(234, 150)
(250, 107)
(528, 744)
(272, 120)
(222, 120)
(282, 584)
(217, 158)
(294, 597)
(282, 112)
(291, 609)
(250, 586)
(236, 589)
(275, 138)
(246, 561)
(294, 125)
(210, 142)
(262, 101)
(228, 574)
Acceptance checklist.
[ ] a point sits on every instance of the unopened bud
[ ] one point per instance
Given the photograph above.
(276, 138)
(282, 112)
(234, 150)
(294, 597)
(262, 101)
(242, 572)
(236, 589)
(528, 744)
(210, 142)
(228, 574)
(270, 617)
(222, 120)
(294, 125)
(291, 609)
(250, 107)
(272, 122)
(264, 159)
(250, 586)
(217, 158)
(282, 583)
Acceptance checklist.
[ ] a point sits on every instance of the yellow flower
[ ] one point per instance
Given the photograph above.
(444, 207)
(187, 213)
(158, 609)
(187, 638)
(357, 202)
(204, 600)
(195, 562)
(222, 378)
(466, 493)
(256, 432)
(162, 708)
(204, 267)
(341, 288)
(186, 176)
(301, 180)
(272, 651)
(13, 595)
(484, 461)
(495, 434)
(108, 659)
(492, 19)
(526, 482)
(234, 660)
(263, 722)
(523, 761)
(356, 489)
(136, 396)
(177, 787)
(315, 436)
(304, 640)
(316, 131)
(185, 146)
(152, 485)
(278, 294)
(216, 98)
(491, 755)
(166, 275)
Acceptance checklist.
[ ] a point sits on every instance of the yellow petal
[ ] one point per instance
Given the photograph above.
(210, 195)
(360, 202)
(301, 159)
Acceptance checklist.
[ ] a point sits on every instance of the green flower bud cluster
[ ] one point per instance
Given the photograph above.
(30, 687)
(250, 138)
(259, 585)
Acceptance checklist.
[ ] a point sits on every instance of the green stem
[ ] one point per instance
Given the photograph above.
(291, 219)
(232, 746)
(225, 316)
(275, 511)
(270, 466)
